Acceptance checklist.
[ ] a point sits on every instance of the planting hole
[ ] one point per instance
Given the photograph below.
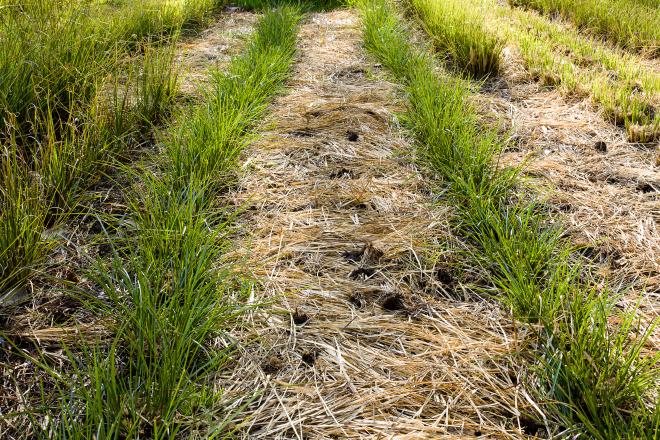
(299, 318)
(352, 136)
(393, 303)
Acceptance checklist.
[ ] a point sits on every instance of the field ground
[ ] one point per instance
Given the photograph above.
(309, 243)
(337, 221)
(603, 187)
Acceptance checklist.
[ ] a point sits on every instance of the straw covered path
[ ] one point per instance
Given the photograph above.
(363, 334)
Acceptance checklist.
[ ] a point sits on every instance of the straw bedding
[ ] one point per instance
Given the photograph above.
(364, 334)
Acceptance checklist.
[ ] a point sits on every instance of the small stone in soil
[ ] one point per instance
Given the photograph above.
(309, 357)
(272, 365)
(366, 271)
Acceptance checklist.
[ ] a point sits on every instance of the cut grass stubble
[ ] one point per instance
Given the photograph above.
(591, 377)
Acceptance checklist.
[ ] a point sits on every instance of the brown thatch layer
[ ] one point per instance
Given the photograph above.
(364, 336)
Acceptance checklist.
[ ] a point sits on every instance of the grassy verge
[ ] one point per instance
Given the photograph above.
(39, 190)
(168, 298)
(459, 31)
(592, 378)
(631, 24)
(559, 56)
(56, 54)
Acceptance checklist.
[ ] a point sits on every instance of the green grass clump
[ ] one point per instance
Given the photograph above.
(631, 24)
(81, 83)
(55, 54)
(209, 141)
(559, 56)
(591, 378)
(45, 180)
(460, 32)
(165, 290)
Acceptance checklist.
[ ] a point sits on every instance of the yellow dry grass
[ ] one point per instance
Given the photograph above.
(360, 338)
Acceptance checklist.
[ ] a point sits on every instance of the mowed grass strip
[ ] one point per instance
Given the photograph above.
(590, 377)
(631, 24)
(164, 290)
(459, 32)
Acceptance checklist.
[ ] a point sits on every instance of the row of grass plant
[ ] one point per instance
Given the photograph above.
(561, 57)
(73, 100)
(169, 299)
(39, 191)
(459, 32)
(631, 24)
(55, 54)
(591, 378)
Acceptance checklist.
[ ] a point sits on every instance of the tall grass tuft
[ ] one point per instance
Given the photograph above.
(631, 24)
(460, 32)
(81, 83)
(54, 53)
(591, 377)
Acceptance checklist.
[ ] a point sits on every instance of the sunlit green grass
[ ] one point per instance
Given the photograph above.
(589, 377)
(558, 56)
(459, 32)
(164, 291)
(631, 24)
(80, 85)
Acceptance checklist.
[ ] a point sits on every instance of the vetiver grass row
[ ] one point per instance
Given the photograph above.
(591, 378)
(556, 55)
(631, 24)
(73, 100)
(164, 289)
(459, 32)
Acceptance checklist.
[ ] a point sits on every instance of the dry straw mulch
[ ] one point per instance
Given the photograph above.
(213, 47)
(604, 189)
(363, 335)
